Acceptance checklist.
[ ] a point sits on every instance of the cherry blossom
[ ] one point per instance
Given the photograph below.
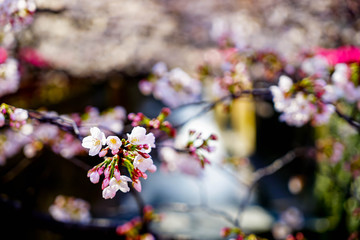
(17, 13)
(142, 163)
(115, 185)
(305, 105)
(95, 141)
(138, 137)
(70, 209)
(174, 87)
(19, 115)
(114, 143)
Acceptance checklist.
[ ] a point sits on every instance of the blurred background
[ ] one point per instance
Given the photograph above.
(94, 53)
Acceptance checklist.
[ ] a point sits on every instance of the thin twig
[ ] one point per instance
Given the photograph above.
(187, 208)
(349, 120)
(211, 105)
(263, 172)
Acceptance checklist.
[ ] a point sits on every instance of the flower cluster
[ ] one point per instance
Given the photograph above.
(17, 117)
(16, 13)
(158, 123)
(70, 209)
(189, 159)
(197, 146)
(235, 77)
(132, 230)
(302, 102)
(236, 234)
(133, 154)
(174, 87)
(33, 136)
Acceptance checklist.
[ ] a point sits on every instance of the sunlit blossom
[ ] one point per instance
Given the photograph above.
(95, 141)
(142, 163)
(114, 143)
(138, 136)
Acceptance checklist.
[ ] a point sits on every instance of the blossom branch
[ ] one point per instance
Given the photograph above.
(211, 105)
(352, 122)
(65, 124)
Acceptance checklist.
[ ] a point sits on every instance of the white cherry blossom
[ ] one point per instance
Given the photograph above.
(142, 163)
(95, 141)
(138, 136)
(121, 184)
(114, 143)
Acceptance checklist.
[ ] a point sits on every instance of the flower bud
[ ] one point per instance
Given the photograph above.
(105, 183)
(107, 171)
(213, 137)
(144, 155)
(131, 116)
(137, 185)
(101, 169)
(166, 111)
(117, 173)
(94, 177)
(103, 152)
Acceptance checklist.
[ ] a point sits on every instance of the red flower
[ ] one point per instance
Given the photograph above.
(3, 55)
(346, 54)
(33, 57)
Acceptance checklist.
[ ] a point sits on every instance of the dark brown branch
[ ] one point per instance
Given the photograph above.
(349, 120)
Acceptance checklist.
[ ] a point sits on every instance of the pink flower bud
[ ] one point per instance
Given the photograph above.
(103, 152)
(117, 174)
(155, 123)
(225, 232)
(101, 170)
(192, 149)
(123, 229)
(131, 116)
(114, 151)
(94, 177)
(107, 171)
(166, 111)
(137, 185)
(91, 171)
(145, 87)
(144, 155)
(105, 183)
